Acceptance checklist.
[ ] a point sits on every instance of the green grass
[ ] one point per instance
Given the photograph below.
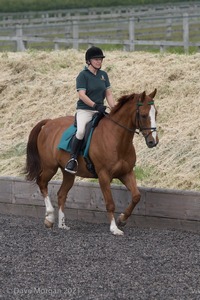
(140, 174)
(40, 5)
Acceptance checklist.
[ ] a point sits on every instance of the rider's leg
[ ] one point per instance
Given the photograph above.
(83, 117)
(72, 164)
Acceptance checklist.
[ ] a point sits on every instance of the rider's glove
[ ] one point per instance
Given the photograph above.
(100, 108)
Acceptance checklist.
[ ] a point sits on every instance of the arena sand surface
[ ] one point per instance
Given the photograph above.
(88, 263)
(39, 85)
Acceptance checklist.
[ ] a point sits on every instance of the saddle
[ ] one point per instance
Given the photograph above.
(66, 140)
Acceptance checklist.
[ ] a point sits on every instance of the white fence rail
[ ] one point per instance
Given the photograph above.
(129, 33)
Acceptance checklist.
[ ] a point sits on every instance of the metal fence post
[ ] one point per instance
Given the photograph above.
(186, 32)
(168, 27)
(19, 38)
(75, 35)
(56, 46)
(131, 34)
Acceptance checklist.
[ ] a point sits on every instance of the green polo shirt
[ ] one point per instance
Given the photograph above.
(94, 85)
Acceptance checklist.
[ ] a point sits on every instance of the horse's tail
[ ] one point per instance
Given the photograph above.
(33, 164)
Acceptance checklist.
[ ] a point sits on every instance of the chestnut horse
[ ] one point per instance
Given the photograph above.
(111, 152)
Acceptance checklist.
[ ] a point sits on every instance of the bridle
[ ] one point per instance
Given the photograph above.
(137, 121)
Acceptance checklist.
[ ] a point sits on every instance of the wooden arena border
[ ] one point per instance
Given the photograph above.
(158, 208)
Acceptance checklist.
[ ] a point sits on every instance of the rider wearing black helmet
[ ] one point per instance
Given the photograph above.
(93, 52)
(93, 86)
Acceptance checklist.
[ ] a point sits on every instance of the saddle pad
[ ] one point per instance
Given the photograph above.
(65, 142)
(66, 139)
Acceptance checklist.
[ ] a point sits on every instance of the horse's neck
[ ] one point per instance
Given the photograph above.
(121, 128)
(122, 122)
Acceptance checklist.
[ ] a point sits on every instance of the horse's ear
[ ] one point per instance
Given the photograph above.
(143, 95)
(152, 95)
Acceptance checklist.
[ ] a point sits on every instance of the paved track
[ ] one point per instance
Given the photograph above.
(88, 263)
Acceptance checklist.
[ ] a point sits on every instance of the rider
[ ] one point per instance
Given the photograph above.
(93, 87)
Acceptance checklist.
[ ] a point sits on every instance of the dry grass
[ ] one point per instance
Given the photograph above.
(38, 85)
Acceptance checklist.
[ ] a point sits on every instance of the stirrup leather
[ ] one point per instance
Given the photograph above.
(74, 170)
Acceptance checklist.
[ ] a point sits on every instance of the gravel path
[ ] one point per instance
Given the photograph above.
(88, 263)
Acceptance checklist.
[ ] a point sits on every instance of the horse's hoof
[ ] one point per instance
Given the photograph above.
(120, 222)
(117, 231)
(48, 224)
(64, 227)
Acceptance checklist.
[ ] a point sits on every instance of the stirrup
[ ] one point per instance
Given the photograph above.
(71, 170)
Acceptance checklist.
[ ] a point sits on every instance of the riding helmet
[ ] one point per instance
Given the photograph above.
(93, 52)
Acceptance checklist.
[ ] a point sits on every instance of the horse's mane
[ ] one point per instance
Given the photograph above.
(121, 101)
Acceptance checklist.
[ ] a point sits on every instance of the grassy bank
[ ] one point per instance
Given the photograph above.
(39, 85)
(40, 5)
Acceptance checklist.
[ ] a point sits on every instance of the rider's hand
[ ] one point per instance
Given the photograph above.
(100, 108)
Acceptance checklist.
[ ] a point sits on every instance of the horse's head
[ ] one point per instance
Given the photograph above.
(146, 118)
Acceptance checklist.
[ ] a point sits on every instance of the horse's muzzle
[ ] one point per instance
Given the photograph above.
(151, 142)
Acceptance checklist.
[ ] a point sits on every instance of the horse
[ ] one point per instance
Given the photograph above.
(111, 151)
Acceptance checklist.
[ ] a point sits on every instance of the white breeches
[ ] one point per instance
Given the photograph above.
(83, 116)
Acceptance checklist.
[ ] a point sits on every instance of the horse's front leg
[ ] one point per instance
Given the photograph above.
(104, 182)
(129, 181)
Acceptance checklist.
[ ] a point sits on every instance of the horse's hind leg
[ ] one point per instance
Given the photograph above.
(42, 182)
(67, 183)
(130, 182)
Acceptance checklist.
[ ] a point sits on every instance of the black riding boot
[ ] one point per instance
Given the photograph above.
(72, 164)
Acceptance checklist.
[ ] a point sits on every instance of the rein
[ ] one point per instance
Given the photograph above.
(137, 119)
(122, 126)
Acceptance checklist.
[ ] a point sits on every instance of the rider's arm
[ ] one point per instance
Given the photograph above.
(109, 98)
(82, 95)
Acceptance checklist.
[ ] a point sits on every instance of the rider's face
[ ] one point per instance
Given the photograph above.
(96, 62)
